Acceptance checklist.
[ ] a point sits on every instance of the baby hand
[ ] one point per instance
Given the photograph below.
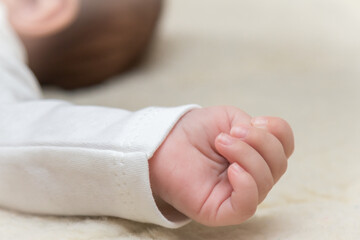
(218, 164)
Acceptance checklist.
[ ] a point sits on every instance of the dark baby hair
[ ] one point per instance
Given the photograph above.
(103, 41)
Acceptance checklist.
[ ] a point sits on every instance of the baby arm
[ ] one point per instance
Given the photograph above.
(58, 158)
(62, 159)
(218, 163)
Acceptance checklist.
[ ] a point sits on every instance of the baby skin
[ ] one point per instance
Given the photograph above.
(218, 164)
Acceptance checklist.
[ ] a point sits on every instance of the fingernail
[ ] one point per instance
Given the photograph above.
(237, 168)
(259, 122)
(239, 131)
(225, 139)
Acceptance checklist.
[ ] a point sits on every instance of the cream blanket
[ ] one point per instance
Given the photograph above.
(296, 59)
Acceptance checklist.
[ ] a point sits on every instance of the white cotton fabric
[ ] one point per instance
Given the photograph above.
(58, 158)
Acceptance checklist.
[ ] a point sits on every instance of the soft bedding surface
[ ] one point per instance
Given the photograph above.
(296, 59)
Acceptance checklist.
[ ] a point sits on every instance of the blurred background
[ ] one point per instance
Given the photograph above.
(299, 60)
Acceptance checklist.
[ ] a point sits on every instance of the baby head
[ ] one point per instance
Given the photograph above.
(75, 43)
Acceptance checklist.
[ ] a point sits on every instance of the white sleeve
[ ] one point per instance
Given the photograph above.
(58, 158)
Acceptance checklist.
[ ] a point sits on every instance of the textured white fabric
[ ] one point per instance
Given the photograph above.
(295, 59)
(62, 159)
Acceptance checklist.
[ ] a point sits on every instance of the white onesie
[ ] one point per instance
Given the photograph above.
(58, 158)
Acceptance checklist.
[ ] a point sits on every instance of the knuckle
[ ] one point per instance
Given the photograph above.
(281, 169)
(267, 185)
(281, 126)
(248, 212)
(283, 166)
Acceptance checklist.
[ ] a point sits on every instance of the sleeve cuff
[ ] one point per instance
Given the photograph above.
(151, 126)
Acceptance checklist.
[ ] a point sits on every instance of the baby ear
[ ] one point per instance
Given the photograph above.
(36, 18)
